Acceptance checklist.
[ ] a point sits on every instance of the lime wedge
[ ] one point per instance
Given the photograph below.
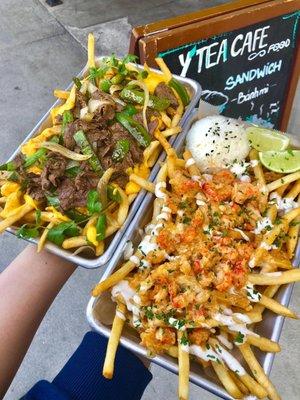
(281, 161)
(263, 139)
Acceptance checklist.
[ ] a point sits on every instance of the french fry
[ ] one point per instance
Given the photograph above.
(123, 208)
(61, 94)
(116, 277)
(258, 372)
(178, 114)
(73, 242)
(256, 313)
(193, 169)
(243, 388)
(227, 381)
(276, 307)
(151, 153)
(294, 192)
(263, 343)
(253, 386)
(149, 186)
(91, 50)
(16, 216)
(164, 69)
(171, 131)
(284, 180)
(275, 278)
(293, 234)
(272, 212)
(43, 237)
(257, 169)
(165, 119)
(183, 368)
(113, 342)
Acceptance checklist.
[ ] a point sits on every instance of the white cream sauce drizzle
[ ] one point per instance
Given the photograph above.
(231, 362)
(204, 354)
(224, 340)
(232, 325)
(252, 294)
(244, 236)
(120, 315)
(158, 192)
(189, 162)
(131, 298)
(284, 204)
(128, 250)
(262, 224)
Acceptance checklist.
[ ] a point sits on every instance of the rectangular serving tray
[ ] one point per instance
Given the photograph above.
(270, 327)
(113, 241)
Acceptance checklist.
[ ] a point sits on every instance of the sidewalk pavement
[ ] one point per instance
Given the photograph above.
(41, 49)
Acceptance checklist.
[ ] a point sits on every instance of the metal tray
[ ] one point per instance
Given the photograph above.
(113, 241)
(100, 311)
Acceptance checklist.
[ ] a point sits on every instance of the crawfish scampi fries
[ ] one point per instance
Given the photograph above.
(82, 173)
(192, 283)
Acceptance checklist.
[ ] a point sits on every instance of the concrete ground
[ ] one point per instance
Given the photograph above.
(41, 49)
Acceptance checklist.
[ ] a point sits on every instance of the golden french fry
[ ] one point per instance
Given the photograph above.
(61, 94)
(164, 68)
(253, 386)
(280, 191)
(263, 343)
(258, 372)
(178, 114)
(257, 169)
(19, 213)
(284, 180)
(151, 153)
(116, 277)
(165, 119)
(91, 50)
(73, 242)
(192, 168)
(100, 248)
(256, 313)
(123, 208)
(165, 144)
(294, 192)
(113, 342)
(276, 307)
(183, 367)
(171, 131)
(43, 237)
(243, 388)
(149, 186)
(227, 381)
(272, 212)
(275, 278)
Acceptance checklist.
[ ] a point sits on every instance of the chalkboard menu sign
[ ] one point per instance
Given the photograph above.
(246, 60)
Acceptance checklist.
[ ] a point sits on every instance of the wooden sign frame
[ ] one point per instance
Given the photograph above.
(214, 21)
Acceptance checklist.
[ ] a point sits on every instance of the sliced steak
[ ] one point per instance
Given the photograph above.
(106, 112)
(73, 193)
(54, 169)
(164, 91)
(34, 187)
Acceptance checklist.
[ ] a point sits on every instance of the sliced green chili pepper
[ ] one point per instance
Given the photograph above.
(72, 172)
(66, 119)
(136, 96)
(9, 166)
(121, 149)
(105, 85)
(77, 82)
(134, 128)
(93, 202)
(113, 194)
(180, 90)
(142, 74)
(118, 78)
(86, 148)
(129, 110)
(30, 160)
(100, 227)
(14, 176)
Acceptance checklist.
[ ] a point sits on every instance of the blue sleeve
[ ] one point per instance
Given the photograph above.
(81, 378)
